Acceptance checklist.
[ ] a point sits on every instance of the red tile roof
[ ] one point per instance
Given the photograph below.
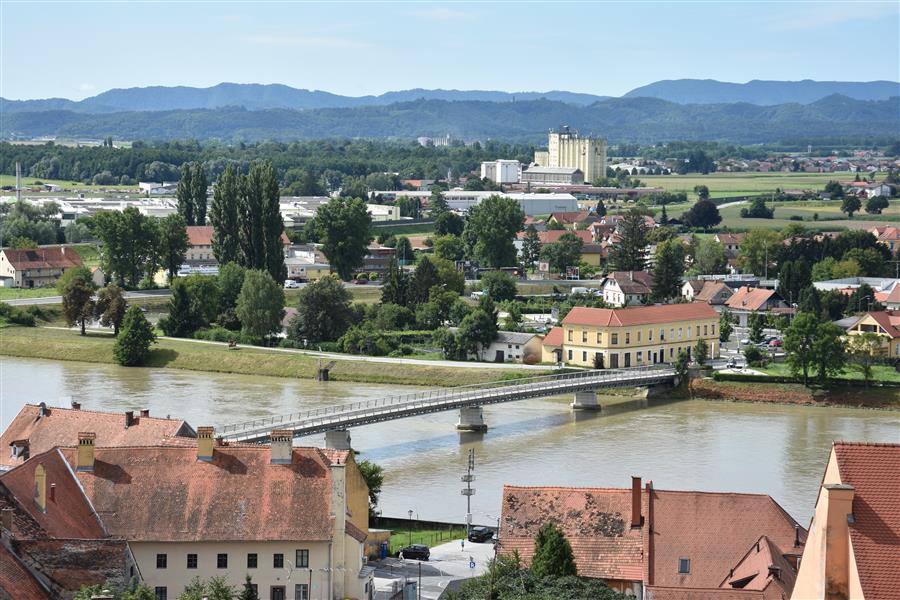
(16, 581)
(184, 499)
(710, 290)
(70, 514)
(633, 282)
(552, 236)
(60, 427)
(554, 337)
(570, 217)
(202, 235)
(42, 258)
(888, 320)
(639, 315)
(747, 298)
(763, 568)
(874, 472)
(731, 238)
(675, 593)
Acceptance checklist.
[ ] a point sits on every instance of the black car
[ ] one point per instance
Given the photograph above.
(415, 552)
(480, 534)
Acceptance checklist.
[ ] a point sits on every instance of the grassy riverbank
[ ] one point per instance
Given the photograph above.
(795, 393)
(37, 342)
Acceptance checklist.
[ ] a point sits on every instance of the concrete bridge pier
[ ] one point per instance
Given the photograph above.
(586, 401)
(471, 418)
(337, 439)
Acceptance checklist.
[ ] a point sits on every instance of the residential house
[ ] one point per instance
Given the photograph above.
(378, 259)
(889, 236)
(747, 300)
(512, 346)
(571, 219)
(295, 519)
(885, 324)
(711, 291)
(731, 241)
(306, 263)
(627, 288)
(38, 428)
(631, 337)
(200, 250)
(853, 548)
(653, 543)
(37, 267)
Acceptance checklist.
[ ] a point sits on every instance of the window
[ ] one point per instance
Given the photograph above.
(639, 336)
(584, 337)
(570, 355)
(509, 346)
(252, 560)
(278, 561)
(191, 561)
(301, 591)
(640, 356)
(698, 331)
(584, 357)
(679, 333)
(302, 559)
(598, 337)
(161, 593)
(662, 335)
(627, 337)
(713, 328)
(570, 335)
(162, 561)
(615, 339)
(705, 327)
(684, 565)
(222, 561)
(649, 335)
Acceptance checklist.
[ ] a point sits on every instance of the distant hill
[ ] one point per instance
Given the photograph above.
(764, 93)
(619, 119)
(254, 96)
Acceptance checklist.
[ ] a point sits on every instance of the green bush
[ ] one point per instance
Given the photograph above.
(221, 334)
(16, 315)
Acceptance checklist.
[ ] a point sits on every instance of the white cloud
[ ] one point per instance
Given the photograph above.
(86, 87)
(821, 15)
(304, 41)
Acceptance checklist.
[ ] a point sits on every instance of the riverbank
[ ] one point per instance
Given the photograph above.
(794, 393)
(96, 347)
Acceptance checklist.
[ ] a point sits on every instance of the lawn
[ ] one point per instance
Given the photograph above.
(89, 253)
(829, 215)
(428, 537)
(401, 229)
(370, 294)
(880, 373)
(10, 181)
(739, 184)
(17, 293)
(56, 344)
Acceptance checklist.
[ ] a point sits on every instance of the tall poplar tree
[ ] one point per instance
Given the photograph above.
(199, 184)
(185, 194)
(273, 224)
(250, 213)
(223, 215)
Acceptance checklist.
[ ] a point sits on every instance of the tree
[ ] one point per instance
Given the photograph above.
(204, 293)
(499, 286)
(793, 277)
(449, 223)
(701, 352)
(424, 278)
(132, 345)
(822, 270)
(449, 278)
(850, 205)
(185, 194)
(758, 250)
(709, 258)
(726, 325)
(172, 243)
(870, 261)
(756, 322)
(323, 312)
(531, 245)
(799, 340)
(449, 247)
(876, 204)
(476, 331)
(758, 210)
(259, 221)
(703, 214)
(78, 302)
(834, 190)
(199, 184)
(248, 592)
(565, 252)
(223, 215)
(185, 316)
(437, 204)
(668, 271)
(829, 352)
(601, 208)
(553, 555)
(110, 307)
(395, 289)
(70, 275)
(129, 244)
(230, 282)
(373, 475)
(682, 361)
(754, 356)
(862, 299)
(702, 192)
(810, 301)
(664, 216)
(404, 250)
(344, 229)
(629, 253)
(493, 224)
(863, 350)
(260, 305)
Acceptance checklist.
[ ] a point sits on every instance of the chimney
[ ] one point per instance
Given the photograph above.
(86, 451)
(775, 571)
(129, 418)
(52, 492)
(796, 536)
(43, 409)
(6, 518)
(839, 499)
(205, 443)
(636, 518)
(145, 412)
(281, 446)
(631, 275)
(76, 405)
(40, 488)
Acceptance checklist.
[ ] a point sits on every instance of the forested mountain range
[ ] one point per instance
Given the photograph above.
(764, 93)
(644, 120)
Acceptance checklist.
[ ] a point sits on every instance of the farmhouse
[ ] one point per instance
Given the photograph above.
(37, 267)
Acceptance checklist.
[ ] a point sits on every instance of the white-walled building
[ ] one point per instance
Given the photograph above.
(501, 171)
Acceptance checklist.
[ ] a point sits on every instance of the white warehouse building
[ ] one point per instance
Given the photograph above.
(463, 200)
(502, 171)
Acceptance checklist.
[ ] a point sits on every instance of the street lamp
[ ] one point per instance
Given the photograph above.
(410, 526)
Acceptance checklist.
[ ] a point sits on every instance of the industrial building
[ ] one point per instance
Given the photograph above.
(553, 176)
(501, 171)
(565, 148)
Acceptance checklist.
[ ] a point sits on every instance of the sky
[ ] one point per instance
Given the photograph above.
(77, 49)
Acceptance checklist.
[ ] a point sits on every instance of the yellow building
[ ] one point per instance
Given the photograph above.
(631, 337)
(566, 148)
(885, 324)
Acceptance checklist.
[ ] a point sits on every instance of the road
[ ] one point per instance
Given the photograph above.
(144, 294)
(449, 563)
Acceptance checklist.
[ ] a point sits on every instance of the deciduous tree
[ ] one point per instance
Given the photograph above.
(132, 345)
(531, 245)
(344, 228)
(172, 243)
(493, 224)
(709, 258)
(499, 286)
(703, 214)
(78, 302)
(323, 312)
(863, 350)
(565, 252)
(110, 307)
(223, 215)
(260, 305)
(850, 205)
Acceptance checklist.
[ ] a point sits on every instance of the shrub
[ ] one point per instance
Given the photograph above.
(16, 315)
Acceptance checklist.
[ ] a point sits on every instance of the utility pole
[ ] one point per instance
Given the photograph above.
(469, 491)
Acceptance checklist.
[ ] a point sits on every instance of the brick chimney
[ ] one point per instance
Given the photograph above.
(281, 446)
(86, 451)
(205, 437)
(839, 498)
(145, 412)
(40, 488)
(76, 405)
(636, 519)
(129, 418)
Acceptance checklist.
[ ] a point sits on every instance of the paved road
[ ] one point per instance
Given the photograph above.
(58, 299)
(449, 563)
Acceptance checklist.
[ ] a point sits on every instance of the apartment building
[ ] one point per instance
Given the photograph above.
(631, 337)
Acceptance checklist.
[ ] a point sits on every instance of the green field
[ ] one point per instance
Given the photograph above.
(829, 216)
(57, 344)
(739, 184)
(10, 181)
(428, 537)
(880, 373)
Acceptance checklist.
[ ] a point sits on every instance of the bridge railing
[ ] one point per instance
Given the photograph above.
(435, 396)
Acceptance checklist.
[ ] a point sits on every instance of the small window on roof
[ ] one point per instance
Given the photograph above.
(684, 565)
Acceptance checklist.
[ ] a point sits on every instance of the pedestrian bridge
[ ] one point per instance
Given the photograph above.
(467, 399)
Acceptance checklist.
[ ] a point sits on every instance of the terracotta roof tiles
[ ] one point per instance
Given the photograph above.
(664, 313)
(554, 337)
(16, 581)
(747, 298)
(42, 258)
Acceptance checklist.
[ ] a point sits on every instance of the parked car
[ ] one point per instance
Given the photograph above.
(416, 552)
(776, 343)
(745, 342)
(480, 534)
(360, 281)
(290, 284)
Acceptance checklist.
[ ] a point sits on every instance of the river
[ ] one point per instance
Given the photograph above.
(703, 445)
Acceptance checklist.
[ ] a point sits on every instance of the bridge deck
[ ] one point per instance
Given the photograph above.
(407, 405)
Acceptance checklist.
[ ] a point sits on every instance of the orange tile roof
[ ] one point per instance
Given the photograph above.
(183, 499)
(887, 320)
(202, 235)
(639, 315)
(42, 258)
(552, 236)
(60, 427)
(757, 571)
(16, 581)
(554, 337)
(747, 298)
(633, 282)
(675, 593)
(710, 289)
(874, 472)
